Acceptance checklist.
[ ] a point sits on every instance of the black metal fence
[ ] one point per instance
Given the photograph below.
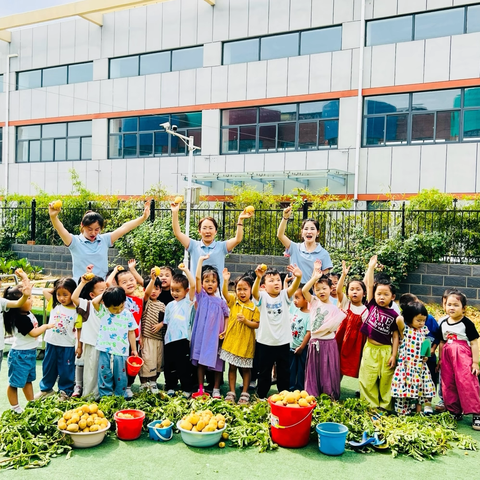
(338, 228)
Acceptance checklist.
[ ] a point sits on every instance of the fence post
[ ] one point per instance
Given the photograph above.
(224, 217)
(33, 221)
(152, 210)
(305, 209)
(403, 220)
(89, 205)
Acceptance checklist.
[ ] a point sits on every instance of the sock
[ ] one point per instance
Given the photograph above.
(79, 375)
(17, 408)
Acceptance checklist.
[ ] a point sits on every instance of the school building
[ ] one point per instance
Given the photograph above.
(365, 97)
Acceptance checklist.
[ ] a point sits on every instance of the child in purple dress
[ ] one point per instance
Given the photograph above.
(209, 326)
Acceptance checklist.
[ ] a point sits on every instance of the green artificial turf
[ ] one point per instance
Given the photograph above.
(145, 459)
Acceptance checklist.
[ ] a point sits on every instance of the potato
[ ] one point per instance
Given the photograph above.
(68, 415)
(93, 408)
(249, 209)
(62, 424)
(90, 421)
(73, 427)
(94, 428)
(82, 424)
(178, 199)
(100, 414)
(157, 271)
(186, 425)
(57, 205)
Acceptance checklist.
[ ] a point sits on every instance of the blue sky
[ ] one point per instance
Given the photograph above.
(10, 7)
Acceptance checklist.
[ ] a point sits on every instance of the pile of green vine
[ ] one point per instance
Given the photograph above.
(31, 439)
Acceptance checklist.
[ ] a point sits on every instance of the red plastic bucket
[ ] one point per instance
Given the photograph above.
(132, 369)
(129, 428)
(290, 427)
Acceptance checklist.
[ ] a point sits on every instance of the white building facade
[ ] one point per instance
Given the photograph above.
(365, 97)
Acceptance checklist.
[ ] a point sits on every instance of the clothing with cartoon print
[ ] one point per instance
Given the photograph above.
(66, 320)
(274, 326)
(135, 306)
(325, 318)
(113, 333)
(380, 323)
(299, 324)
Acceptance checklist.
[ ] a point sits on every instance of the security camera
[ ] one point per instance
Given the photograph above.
(174, 128)
(165, 125)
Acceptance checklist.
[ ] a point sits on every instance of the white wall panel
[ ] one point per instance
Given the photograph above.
(275, 162)
(338, 159)
(254, 163)
(210, 132)
(317, 159)
(354, 76)
(300, 14)
(465, 56)
(234, 163)
(437, 59)
(81, 40)
(277, 77)
(171, 25)
(136, 93)
(342, 11)
(347, 127)
(341, 70)
(67, 42)
(204, 22)
(219, 84)
(238, 19)
(464, 2)
(25, 105)
(188, 22)
(119, 94)
(137, 28)
(322, 13)
(154, 22)
(256, 80)
(384, 8)
(434, 4)
(105, 176)
(39, 52)
(53, 44)
(257, 17)
(26, 49)
(204, 86)
(383, 65)
(120, 182)
(212, 54)
(66, 96)
(122, 26)
(65, 177)
(221, 20)
(106, 96)
(408, 6)
(379, 170)
(99, 139)
(153, 90)
(461, 180)
(100, 69)
(169, 89)
(350, 35)
(80, 102)
(405, 169)
(409, 62)
(187, 87)
(151, 168)
(39, 103)
(215, 163)
(14, 46)
(296, 161)
(298, 70)
(278, 16)
(433, 164)
(52, 101)
(94, 41)
(93, 105)
(108, 35)
(135, 176)
(362, 172)
(14, 106)
(93, 174)
(51, 180)
(237, 82)
(320, 72)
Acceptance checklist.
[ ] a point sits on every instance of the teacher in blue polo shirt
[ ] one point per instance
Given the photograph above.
(207, 227)
(91, 246)
(304, 254)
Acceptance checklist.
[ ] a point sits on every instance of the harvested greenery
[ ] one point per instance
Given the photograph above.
(31, 439)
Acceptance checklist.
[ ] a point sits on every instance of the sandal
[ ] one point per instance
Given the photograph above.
(476, 422)
(230, 397)
(244, 399)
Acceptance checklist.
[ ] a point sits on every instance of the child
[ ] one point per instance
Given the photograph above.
(380, 351)
(178, 318)
(59, 360)
(211, 322)
(165, 278)
(82, 296)
(334, 278)
(115, 337)
(300, 326)
(22, 324)
(126, 281)
(151, 339)
(238, 348)
(459, 360)
(274, 333)
(91, 246)
(412, 384)
(349, 339)
(322, 371)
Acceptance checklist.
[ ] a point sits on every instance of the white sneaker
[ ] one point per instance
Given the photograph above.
(128, 393)
(77, 391)
(40, 395)
(17, 409)
(154, 388)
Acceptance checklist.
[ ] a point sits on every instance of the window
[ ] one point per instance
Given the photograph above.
(54, 142)
(438, 23)
(275, 128)
(47, 77)
(157, 62)
(422, 117)
(284, 45)
(144, 137)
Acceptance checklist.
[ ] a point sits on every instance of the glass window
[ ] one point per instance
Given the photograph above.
(197, 139)
(153, 122)
(60, 149)
(278, 113)
(115, 149)
(130, 145)
(86, 143)
(79, 129)
(328, 109)
(328, 135)
(229, 140)
(34, 150)
(267, 136)
(155, 63)
(386, 104)
(161, 143)
(73, 149)
(187, 120)
(187, 58)
(130, 124)
(322, 40)
(307, 135)
(423, 127)
(124, 67)
(241, 51)
(145, 147)
(54, 76)
(439, 24)
(471, 124)
(22, 151)
(31, 79)
(472, 97)
(239, 116)
(446, 127)
(286, 136)
(374, 131)
(473, 19)
(389, 30)
(115, 125)
(397, 129)
(279, 46)
(47, 150)
(247, 139)
(54, 130)
(28, 132)
(81, 72)
(439, 100)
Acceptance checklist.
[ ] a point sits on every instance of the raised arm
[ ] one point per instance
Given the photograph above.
(181, 237)
(47, 293)
(198, 274)
(297, 273)
(259, 271)
(191, 281)
(369, 275)
(111, 278)
(26, 291)
(341, 281)
(233, 242)
(308, 286)
(128, 226)
(283, 225)
(131, 268)
(97, 301)
(226, 278)
(151, 284)
(58, 225)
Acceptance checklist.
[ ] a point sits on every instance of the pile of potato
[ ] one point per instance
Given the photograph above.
(294, 399)
(84, 419)
(203, 421)
(166, 423)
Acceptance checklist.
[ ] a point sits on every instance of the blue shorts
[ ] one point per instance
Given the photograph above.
(21, 367)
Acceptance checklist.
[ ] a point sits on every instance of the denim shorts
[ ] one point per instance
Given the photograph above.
(21, 367)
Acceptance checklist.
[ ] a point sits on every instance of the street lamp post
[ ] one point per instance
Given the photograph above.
(171, 129)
